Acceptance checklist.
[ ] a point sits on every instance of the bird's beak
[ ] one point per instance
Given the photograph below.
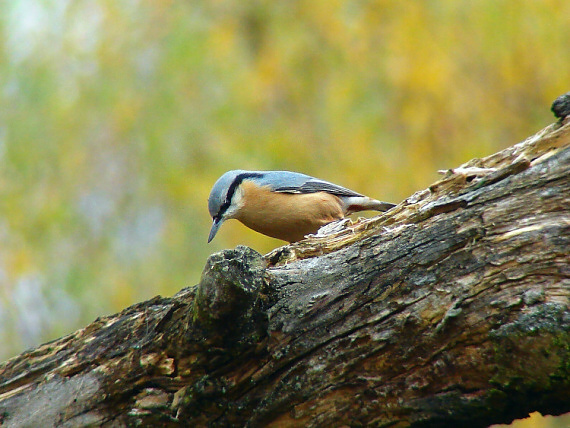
(215, 226)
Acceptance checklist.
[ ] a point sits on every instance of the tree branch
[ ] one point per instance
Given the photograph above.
(452, 308)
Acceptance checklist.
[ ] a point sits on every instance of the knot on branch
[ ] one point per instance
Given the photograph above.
(561, 106)
(228, 309)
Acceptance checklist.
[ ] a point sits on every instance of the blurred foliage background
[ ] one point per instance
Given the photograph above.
(116, 117)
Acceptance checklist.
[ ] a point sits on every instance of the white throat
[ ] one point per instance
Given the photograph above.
(236, 204)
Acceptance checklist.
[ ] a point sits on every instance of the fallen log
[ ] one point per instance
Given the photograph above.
(452, 308)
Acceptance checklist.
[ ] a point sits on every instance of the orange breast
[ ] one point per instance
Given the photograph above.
(287, 216)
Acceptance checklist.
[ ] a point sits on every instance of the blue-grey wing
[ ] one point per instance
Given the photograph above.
(293, 182)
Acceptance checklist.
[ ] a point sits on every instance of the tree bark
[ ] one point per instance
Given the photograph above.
(453, 308)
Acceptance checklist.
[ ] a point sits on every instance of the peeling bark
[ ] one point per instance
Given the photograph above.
(451, 308)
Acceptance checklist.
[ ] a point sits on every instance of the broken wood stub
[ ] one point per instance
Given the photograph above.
(228, 307)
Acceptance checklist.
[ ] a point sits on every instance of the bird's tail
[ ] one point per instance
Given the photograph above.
(362, 203)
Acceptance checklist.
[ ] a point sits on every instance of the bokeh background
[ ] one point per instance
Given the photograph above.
(116, 117)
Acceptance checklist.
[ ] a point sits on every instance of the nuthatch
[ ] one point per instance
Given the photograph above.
(282, 204)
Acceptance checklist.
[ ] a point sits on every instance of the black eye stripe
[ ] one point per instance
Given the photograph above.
(232, 189)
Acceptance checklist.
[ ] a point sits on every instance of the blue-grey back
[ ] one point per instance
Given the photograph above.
(294, 182)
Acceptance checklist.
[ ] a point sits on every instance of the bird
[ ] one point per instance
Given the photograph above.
(283, 204)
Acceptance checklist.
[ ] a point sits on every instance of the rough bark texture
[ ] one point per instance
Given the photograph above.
(452, 308)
